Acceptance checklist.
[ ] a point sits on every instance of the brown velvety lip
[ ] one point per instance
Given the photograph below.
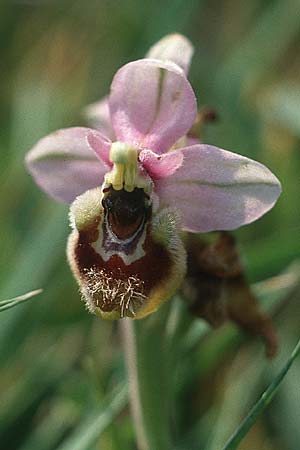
(150, 270)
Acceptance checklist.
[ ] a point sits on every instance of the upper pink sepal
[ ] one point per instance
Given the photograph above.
(173, 47)
(64, 165)
(215, 189)
(160, 166)
(152, 104)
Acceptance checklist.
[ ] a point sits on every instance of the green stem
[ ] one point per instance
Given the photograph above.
(145, 345)
(129, 342)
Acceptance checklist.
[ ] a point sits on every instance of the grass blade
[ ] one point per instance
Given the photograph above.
(259, 407)
(11, 302)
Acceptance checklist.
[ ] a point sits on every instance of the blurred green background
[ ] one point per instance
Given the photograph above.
(60, 367)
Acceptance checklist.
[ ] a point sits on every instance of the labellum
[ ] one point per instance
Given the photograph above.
(126, 257)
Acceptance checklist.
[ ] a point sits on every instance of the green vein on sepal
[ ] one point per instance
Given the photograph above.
(63, 156)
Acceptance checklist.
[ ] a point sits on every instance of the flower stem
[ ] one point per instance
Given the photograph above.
(129, 342)
(149, 380)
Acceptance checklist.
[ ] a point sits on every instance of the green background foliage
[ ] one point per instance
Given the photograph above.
(63, 381)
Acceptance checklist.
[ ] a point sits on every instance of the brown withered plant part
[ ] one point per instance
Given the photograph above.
(217, 290)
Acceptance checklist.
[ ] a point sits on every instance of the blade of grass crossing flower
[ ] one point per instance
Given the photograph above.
(10, 303)
(262, 403)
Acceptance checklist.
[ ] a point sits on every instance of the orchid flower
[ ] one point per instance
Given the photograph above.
(135, 190)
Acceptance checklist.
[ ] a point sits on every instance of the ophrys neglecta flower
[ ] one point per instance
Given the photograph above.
(132, 196)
